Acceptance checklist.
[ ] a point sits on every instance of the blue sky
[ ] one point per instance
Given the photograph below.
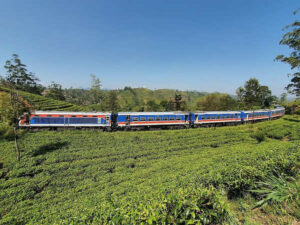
(188, 45)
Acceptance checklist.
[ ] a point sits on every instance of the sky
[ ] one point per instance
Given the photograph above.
(198, 45)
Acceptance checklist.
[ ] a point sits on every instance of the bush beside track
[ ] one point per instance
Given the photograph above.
(154, 177)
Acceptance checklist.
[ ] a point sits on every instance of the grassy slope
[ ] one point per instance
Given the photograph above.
(42, 103)
(69, 176)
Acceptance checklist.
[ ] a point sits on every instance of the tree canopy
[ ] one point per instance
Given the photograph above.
(217, 102)
(254, 95)
(292, 40)
(17, 75)
(55, 91)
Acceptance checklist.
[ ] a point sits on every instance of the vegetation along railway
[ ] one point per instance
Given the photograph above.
(109, 121)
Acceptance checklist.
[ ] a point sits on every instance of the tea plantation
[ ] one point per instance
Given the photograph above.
(39, 102)
(189, 176)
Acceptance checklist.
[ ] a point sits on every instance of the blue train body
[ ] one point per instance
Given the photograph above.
(145, 119)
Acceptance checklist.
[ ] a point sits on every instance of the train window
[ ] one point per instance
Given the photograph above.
(107, 118)
(165, 118)
(232, 116)
(178, 118)
(135, 119)
(157, 118)
(172, 118)
(143, 119)
(218, 117)
(150, 118)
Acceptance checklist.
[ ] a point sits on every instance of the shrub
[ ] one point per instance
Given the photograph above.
(259, 136)
(185, 206)
(277, 134)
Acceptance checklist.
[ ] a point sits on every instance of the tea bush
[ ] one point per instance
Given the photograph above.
(259, 136)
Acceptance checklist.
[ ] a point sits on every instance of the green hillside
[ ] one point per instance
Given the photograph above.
(42, 103)
(193, 176)
(134, 98)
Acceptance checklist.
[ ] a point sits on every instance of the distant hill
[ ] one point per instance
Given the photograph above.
(42, 103)
(136, 99)
(129, 96)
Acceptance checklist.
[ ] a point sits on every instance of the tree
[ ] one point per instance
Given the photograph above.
(55, 91)
(255, 95)
(282, 99)
(153, 106)
(95, 90)
(167, 105)
(177, 101)
(19, 77)
(265, 96)
(216, 102)
(111, 101)
(292, 40)
(16, 78)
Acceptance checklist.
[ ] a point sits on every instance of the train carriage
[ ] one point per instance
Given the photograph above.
(277, 112)
(260, 114)
(150, 119)
(215, 117)
(66, 119)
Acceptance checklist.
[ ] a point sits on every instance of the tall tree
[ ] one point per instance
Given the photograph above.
(292, 40)
(111, 101)
(255, 95)
(19, 77)
(55, 91)
(177, 101)
(16, 78)
(95, 90)
(282, 99)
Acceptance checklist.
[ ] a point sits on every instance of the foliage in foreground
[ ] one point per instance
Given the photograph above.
(277, 189)
(82, 177)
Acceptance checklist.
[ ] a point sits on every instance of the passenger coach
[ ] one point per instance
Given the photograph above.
(149, 119)
(66, 119)
(215, 117)
(256, 115)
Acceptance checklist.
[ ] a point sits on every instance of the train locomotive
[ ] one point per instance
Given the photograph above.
(139, 120)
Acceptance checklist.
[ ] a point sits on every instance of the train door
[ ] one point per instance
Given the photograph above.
(107, 120)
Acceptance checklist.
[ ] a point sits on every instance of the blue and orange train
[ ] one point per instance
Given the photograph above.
(138, 120)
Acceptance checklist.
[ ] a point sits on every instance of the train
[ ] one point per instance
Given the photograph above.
(110, 121)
